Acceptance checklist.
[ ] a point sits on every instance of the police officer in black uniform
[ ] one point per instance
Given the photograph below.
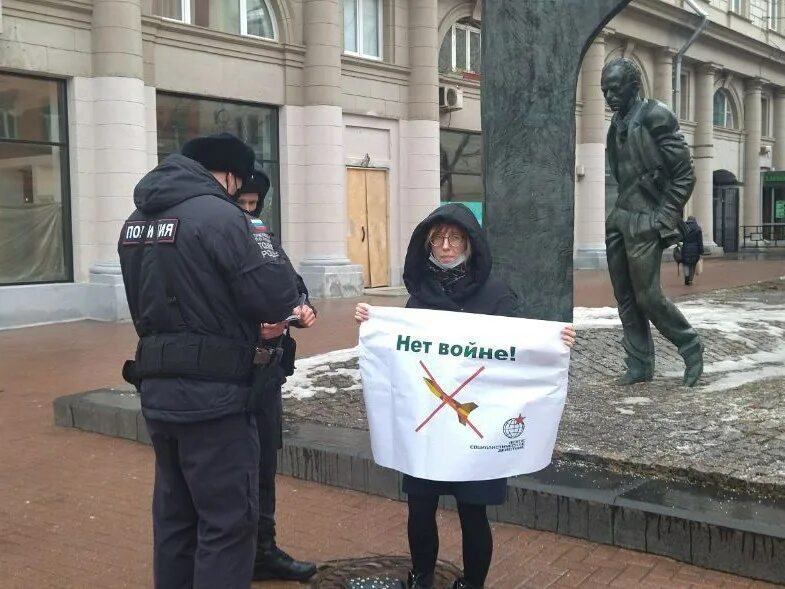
(271, 562)
(198, 287)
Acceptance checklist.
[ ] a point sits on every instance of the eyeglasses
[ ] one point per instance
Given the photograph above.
(453, 239)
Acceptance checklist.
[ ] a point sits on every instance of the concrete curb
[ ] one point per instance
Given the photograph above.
(727, 531)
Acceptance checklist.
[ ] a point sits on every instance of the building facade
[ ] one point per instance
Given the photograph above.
(365, 113)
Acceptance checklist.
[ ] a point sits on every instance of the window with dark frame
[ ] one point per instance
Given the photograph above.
(35, 212)
(724, 115)
(181, 117)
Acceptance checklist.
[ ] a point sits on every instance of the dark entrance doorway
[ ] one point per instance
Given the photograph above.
(726, 210)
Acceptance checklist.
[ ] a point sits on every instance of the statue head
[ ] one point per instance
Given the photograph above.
(621, 83)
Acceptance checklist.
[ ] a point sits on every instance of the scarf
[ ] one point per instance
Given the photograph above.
(447, 277)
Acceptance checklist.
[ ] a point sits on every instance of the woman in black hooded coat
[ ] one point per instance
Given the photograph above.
(691, 249)
(448, 268)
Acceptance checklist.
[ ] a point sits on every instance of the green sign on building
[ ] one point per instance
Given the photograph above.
(779, 211)
(774, 178)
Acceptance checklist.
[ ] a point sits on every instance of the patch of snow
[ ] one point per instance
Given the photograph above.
(744, 369)
(300, 384)
(728, 318)
(737, 379)
(635, 401)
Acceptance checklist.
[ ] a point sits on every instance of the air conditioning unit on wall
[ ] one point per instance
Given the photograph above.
(450, 98)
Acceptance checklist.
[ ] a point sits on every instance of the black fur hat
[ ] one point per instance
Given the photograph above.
(257, 181)
(222, 152)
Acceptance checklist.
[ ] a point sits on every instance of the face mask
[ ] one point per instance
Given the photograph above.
(237, 191)
(450, 265)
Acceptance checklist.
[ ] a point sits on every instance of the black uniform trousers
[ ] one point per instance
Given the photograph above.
(205, 502)
(269, 420)
(634, 252)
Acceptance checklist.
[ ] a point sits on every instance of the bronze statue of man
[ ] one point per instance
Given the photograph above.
(651, 162)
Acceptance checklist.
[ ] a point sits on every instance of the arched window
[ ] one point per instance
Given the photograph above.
(259, 19)
(723, 110)
(241, 17)
(461, 49)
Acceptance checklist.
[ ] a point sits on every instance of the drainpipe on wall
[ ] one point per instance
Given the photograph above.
(680, 54)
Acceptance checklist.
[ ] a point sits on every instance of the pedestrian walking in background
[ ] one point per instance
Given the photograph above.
(692, 250)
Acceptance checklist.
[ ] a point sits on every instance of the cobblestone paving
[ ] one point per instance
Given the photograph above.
(728, 430)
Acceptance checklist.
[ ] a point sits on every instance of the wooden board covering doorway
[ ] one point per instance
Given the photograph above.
(368, 221)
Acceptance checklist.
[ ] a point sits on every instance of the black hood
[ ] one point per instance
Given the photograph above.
(692, 226)
(415, 274)
(174, 180)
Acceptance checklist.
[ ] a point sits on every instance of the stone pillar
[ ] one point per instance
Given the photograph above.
(325, 266)
(590, 190)
(703, 153)
(663, 77)
(119, 143)
(750, 213)
(778, 156)
(420, 133)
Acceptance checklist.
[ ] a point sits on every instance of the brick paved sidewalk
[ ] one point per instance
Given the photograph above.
(74, 507)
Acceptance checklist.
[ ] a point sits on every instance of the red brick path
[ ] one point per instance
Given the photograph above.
(74, 507)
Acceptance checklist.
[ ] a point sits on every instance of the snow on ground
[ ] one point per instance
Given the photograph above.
(301, 384)
(732, 319)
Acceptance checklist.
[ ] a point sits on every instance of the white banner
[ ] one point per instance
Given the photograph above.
(462, 397)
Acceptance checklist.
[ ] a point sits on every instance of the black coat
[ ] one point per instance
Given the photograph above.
(692, 248)
(226, 282)
(478, 292)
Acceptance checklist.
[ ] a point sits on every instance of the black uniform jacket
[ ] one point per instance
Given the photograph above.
(478, 292)
(226, 282)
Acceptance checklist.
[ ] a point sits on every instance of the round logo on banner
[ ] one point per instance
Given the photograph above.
(513, 428)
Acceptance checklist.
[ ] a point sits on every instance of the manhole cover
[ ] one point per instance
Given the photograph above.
(336, 574)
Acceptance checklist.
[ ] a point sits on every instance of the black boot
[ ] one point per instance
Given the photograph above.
(419, 581)
(273, 563)
(464, 584)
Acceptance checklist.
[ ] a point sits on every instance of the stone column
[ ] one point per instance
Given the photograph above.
(778, 157)
(420, 133)
(663, 77)
(119, 145)
(325, 266)
(750, 214)
(703, 153)
(590, 190)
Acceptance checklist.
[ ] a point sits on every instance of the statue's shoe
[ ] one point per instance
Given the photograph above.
(634, 377)
(693, 363)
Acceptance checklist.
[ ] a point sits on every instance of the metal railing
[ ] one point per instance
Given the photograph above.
(763, 236)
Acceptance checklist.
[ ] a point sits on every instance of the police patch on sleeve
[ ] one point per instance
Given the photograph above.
(262, 239)
(147, 232)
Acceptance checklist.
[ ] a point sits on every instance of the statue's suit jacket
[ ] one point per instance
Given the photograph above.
(661, 162)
